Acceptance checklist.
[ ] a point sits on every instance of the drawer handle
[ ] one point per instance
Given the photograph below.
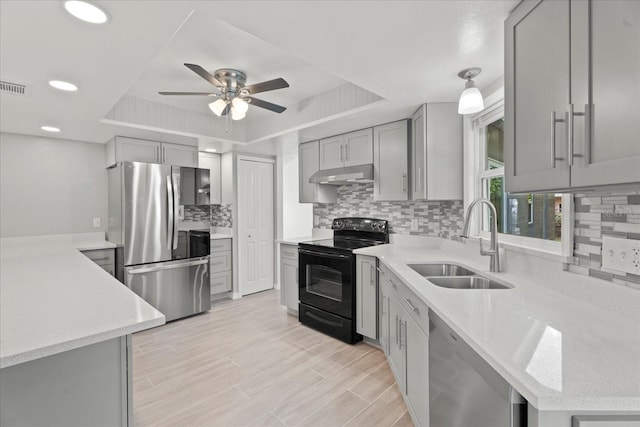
(218, 263)
(100, 259)
(411, 306)
(291, 254)
(393, 284)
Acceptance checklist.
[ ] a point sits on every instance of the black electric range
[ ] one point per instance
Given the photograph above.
(327, 273)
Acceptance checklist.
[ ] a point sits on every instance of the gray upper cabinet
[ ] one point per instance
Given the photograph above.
(179, 155)
(605, 70)
(571, 95)
(121, 148)
(212, 162)
(436, 152)
(308, 164)
(351, 149)
(391, 162)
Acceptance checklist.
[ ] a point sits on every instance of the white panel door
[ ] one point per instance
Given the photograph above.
(255, 226)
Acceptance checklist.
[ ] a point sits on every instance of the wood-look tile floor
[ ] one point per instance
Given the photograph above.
(249, 363)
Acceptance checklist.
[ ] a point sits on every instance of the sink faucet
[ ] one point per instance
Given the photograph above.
(493, 251)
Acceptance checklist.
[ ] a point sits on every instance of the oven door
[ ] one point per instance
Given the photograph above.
(326, 281)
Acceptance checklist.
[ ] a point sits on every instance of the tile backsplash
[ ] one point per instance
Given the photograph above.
(219, 215)
(442, 219)
(599, 214)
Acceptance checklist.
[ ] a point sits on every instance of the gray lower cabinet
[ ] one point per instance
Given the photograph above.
(366, 296)
(289, 276)
(571, 95)
(90, 385)
(404, 336)
(220, 266)
(105, 258)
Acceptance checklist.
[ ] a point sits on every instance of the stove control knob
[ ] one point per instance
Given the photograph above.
(338, 224)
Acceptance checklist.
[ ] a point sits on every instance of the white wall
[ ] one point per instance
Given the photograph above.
(297, 218)
(50, 186)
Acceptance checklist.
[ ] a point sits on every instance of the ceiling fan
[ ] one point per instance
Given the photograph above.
(233, 96)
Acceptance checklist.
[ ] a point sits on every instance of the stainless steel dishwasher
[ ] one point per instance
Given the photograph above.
(464, 391)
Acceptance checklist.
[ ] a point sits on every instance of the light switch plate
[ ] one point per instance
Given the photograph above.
(414, 224)
(621, 254)
(97, 222)
(316, 220)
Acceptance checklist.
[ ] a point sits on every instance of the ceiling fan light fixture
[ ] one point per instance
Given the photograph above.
(471, 99)
(240, 105)
(218, 106)
(86, 11)
(237, 115)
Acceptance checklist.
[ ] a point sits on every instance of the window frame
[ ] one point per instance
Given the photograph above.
(477, 173)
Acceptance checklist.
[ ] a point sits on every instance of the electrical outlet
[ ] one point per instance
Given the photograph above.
(414, 224)
(97, 222)
(316, 220)
(621, 254)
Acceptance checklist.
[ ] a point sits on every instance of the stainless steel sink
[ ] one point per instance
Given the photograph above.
(440, 269)
(467, 282)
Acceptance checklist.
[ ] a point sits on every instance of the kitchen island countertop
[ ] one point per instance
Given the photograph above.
(54, 299)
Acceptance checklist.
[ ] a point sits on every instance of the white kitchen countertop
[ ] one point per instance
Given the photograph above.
(53, 298)
(218, 236)
(560, 352)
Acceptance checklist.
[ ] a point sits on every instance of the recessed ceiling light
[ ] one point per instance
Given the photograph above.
(50, 128)
(210, 150)
(59, 84)
(86, 11)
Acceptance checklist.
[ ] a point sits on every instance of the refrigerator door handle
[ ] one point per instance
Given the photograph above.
(176, 208)
(170, 220)
(168, 266)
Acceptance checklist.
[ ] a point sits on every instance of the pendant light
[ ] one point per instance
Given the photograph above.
(218, 106)
(471, 99)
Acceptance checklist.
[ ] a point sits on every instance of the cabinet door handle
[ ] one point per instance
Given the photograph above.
(400, 334)
(393, 284)
(372, 273)
(404, 182)
(383, 313)
(340, 153)
(588, 121)
(410, 304)
(554, 120)
(348, 149)
(397, 333)
(570, 143)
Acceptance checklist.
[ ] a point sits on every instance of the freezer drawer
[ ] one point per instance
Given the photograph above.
(176, 288)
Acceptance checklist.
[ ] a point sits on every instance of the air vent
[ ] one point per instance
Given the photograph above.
(14, 88)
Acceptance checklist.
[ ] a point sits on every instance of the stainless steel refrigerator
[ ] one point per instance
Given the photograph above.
(143, 222)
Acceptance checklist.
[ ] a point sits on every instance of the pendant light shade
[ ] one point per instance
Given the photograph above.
(218, 106)
(237, 114)
(471, 99)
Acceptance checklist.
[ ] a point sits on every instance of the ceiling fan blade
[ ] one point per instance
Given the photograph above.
(189, 93)
(204, 74)
(266, 86)
(264, 104)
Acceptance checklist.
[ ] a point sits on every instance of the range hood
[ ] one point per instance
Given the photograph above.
(346, 175)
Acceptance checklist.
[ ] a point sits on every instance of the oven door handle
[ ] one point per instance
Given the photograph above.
(324, 254)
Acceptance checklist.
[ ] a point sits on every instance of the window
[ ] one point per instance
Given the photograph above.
(531, 220)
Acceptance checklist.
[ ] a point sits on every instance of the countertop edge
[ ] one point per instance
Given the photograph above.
(16, 359)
